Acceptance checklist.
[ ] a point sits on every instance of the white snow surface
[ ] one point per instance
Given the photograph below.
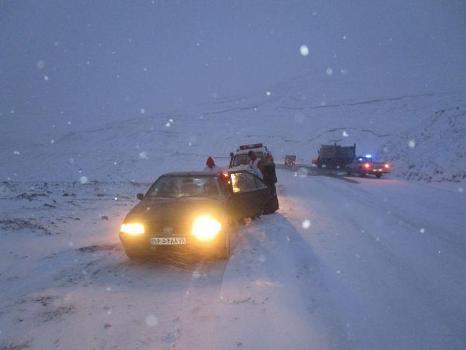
(362, 275)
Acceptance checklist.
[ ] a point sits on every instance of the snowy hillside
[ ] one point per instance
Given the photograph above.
(92, 94)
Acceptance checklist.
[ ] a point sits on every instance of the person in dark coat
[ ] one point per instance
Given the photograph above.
(269, 177)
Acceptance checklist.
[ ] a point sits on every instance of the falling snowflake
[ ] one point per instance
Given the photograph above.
(16, 153)
(71, 244)
(145, 69)
(302, 172)
(171, 120)
(12, 111)
(344, 37)
(46, 77)
(40, 64)
(142, 111)
(262, 258)
(314, 13)
(329, 71)
(344, 71)
(116, 198)
(268, 93)
(52, 141)
(344, 133)
(306, 224)
(411, 143)
(422, 230)
(152, 321)
(143, 155)
(460, 189)
(167, 124)
(69, 122)
(304, 50)
(83, 180)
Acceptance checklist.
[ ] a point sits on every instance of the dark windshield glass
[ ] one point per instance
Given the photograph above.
(241, 159)
(184, 186)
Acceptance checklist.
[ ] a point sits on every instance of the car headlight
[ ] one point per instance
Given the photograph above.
(206, 228)
(132, 229)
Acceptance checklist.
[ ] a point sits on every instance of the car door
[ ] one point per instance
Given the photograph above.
(262, 195)
(246, 193)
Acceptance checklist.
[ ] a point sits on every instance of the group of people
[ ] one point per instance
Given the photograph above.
(263, 168)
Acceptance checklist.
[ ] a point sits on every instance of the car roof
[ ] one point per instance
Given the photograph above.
(191, 173)
(255, 150)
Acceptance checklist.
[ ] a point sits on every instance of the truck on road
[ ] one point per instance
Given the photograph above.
(335, 156)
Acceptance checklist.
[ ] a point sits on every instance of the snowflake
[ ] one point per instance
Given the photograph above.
(167, 124)
(304, 50)
(344, 71)
(344, 133)
(16, 153)
(460, 189)
(83, 180)
(306, 224)
(411, 143)
(46, 77)
(40, 64)
(268, 93)
(262, 258)
(69, 122)
(422, 230)
(142, 111)
(52, 141)
(171, 120)
(344, 37)
(143, 155)
(329, 71)
(152, 321)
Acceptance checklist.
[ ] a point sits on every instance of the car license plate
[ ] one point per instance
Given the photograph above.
(168, 240)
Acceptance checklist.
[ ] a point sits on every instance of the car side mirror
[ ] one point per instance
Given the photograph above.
(140, 196)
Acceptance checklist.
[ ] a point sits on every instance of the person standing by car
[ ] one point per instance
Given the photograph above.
(210, 165)
(254, 163)
(270, 179)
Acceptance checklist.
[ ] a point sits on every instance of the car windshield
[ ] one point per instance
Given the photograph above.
(241, 159)
(184, 186)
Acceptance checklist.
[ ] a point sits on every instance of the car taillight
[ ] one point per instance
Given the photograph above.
(386, 166)
(367, 165)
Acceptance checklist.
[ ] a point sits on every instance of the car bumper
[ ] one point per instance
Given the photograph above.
(144, 245)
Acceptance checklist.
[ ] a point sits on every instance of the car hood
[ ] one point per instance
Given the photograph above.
(175, 209)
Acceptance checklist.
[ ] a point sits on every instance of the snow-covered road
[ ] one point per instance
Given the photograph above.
(346, 263)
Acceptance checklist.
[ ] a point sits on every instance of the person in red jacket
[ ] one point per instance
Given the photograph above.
(210, 165)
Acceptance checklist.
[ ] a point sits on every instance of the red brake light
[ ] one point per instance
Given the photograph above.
(387, 165)
(367, 165)
(223, 175)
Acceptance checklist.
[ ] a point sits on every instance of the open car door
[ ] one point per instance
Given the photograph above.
(249, 194)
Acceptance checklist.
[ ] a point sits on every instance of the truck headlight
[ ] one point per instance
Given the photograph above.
(132, 229)
(206, 228)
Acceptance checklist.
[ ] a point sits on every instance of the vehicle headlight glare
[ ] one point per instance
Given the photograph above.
(132, 229)
(206, 228)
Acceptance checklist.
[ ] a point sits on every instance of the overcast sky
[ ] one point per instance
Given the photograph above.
(116, 58)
